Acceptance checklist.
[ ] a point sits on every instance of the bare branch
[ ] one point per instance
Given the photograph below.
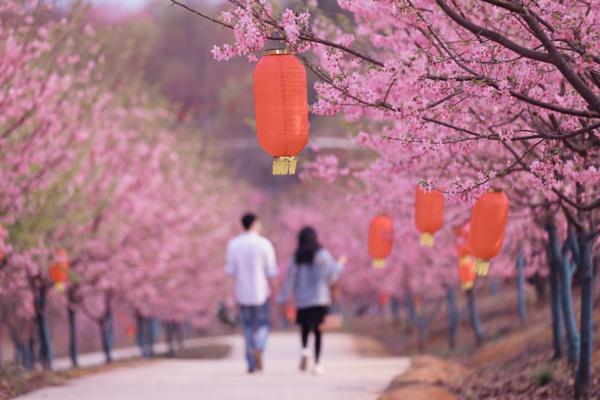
(200, 14)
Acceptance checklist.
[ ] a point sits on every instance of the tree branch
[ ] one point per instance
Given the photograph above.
(561, 64)
(492, 35)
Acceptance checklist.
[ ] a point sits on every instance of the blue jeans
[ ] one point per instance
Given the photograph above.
(256, 323)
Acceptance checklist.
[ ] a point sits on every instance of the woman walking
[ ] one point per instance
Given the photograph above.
(309, 277)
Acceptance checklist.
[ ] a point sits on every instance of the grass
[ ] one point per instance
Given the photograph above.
(544, 376)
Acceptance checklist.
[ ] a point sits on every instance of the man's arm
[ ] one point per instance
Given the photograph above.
(271, 267)
(273, 286)
(288, 284)
(231, 271)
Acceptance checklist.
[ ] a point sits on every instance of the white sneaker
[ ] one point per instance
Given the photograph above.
(318, 369)
(304, 359)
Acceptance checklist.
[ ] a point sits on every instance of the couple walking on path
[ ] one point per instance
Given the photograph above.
(310, 275)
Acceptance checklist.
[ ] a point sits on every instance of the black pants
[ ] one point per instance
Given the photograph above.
(310, 320)
(305, 330)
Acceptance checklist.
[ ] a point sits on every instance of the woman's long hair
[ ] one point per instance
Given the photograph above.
(308, 245)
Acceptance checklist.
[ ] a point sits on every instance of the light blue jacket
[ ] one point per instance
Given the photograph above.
(310, 284)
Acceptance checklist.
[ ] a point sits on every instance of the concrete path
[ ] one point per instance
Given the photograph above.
(348, 376)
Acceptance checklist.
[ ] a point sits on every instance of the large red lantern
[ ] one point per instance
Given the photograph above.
(429, 213)
(281, 106)
(381, 235)
(488, 224)
(59, 271)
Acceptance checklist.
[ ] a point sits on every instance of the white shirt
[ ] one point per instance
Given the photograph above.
(250, 260)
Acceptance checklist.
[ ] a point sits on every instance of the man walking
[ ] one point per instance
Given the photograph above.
(251, 262)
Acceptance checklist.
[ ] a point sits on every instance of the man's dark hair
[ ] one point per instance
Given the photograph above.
(247, 220)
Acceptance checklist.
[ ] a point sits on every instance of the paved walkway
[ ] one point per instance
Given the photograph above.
(348, 376)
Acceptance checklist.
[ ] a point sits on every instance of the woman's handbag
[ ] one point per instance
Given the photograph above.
(290, 313)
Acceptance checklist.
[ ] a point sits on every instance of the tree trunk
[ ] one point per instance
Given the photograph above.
(452, 316)
(411, 313)
(23, 355)
(180, 335)
(73, 335)
(170, 332)
(566, 279)
(153, 332)
(584, 371)
(553, 261)
(422, 329)
(146, 335)
(106, 334)
(521, 286)
(395, 306)
(72, 314)
(494, 285)
(1, 354)
(41, 319)
(539, 284)
(140, 333)
(31, 349)
(474, 316)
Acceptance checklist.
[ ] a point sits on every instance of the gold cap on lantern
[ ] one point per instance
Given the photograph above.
(427, 240)
(482, 267)
(284, 165)
(277, 52)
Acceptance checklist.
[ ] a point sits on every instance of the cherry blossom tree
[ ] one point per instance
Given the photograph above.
(465, 95)
(92, 163)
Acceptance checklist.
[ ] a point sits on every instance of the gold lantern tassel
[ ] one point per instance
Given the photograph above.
(378, 263)
(427, 240)
(59, 287)
(284, 165)
(468, 285)
(482, 267)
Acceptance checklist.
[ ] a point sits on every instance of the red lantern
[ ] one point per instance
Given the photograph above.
(131, 332)
(488, 224)
(383, 298)
(59, 271)
(381, 235)
(281, 107)
(466, 264)
(466, 271)
(429, 214)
